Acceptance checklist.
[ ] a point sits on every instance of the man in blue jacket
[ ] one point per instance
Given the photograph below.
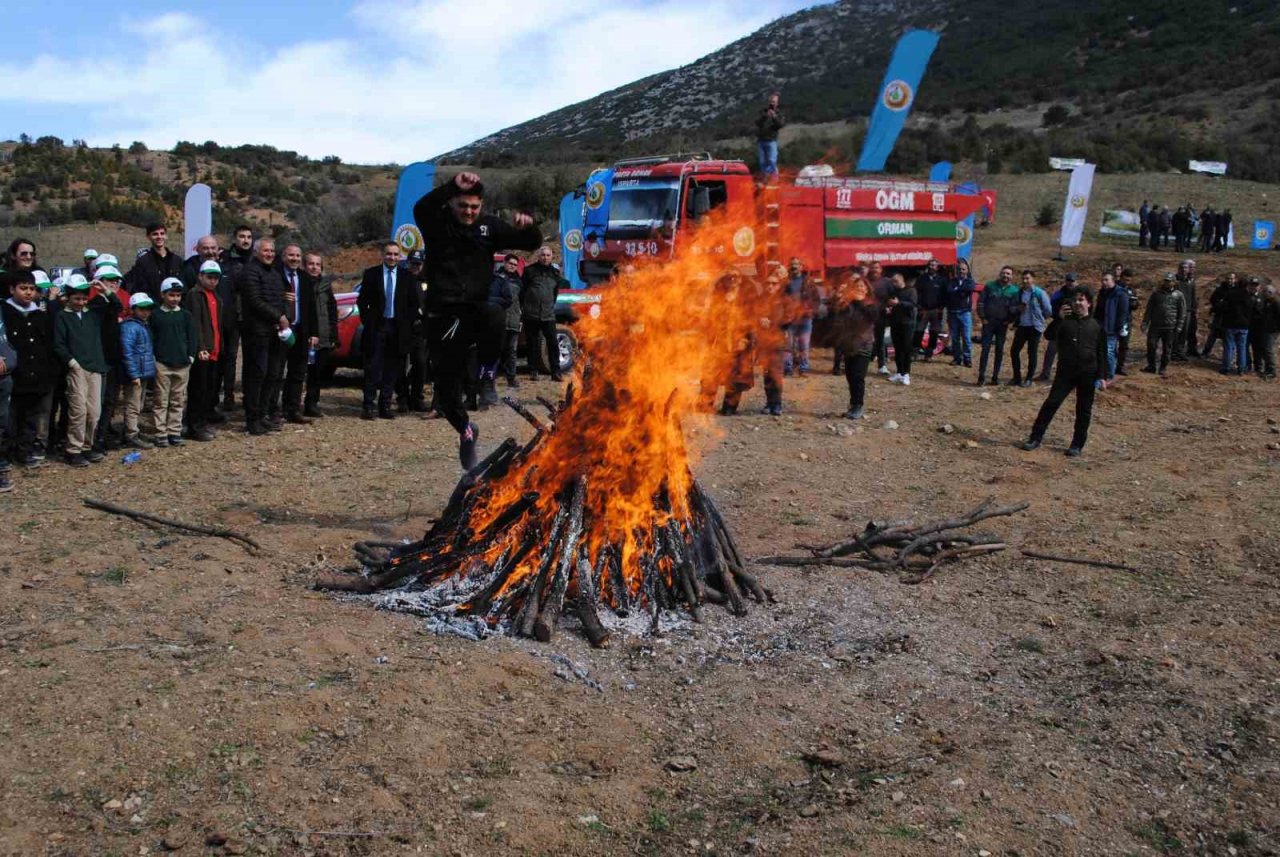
(1112, 312)
(1034, 313)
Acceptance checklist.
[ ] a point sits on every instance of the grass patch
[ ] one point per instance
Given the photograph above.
(658, 822)
(904, 831)
(1158, 835)
(478, 803)
(1030, 644)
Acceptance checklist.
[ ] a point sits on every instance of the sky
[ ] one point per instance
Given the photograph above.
(371, 81)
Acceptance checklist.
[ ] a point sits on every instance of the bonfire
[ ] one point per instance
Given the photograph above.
(598, 513)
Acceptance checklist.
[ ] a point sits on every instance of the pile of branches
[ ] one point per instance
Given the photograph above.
(917, 550)
(687, 561)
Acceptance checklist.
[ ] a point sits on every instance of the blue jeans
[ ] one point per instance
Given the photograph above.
(961, 324)
(1113, 345)
(1235, 349)
(799, 335)
(767, 152)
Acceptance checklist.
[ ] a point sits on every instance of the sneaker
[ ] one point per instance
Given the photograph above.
(298, 419)
(488, 392)
(1149, 369)
(138, 442)
(467, 446)
(273, 424)
(1073, 452)
(1029, 445)
(6, 484)
(906, 380)
(38, 454)
(259, 428)
(513, 383)
(981, 382)
(202, 435)
(854, 414)
(76, 459)
(895, 378)
(176, 440)
(315, 413)
(883, 370)
(95, 455)
(30, 461)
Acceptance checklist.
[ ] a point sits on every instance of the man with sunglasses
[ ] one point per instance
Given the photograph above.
(460, 241)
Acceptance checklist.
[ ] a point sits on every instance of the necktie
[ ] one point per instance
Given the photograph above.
(297, 298)
(389, 305)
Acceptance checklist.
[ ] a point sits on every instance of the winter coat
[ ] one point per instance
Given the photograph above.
(326, 313)
(1265, 315)
(1111, 309)
(504, 292)
(31, 335)
(1188, 288)
(1232, 307)
(262, 301)
(137, 354)
(1166, 310)
(767, 127)
(930, 290)
(1082, 347)
(853, 327)
(959, 296)
(150, 270)
(998, 304)
(208, 326)
(904, 313)
(459, 263)
(542, 285)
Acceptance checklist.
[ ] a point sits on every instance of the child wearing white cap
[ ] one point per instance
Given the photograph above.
(174, 335)
(138, 361)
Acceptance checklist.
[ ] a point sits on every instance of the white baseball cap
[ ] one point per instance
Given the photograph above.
(141, 299)
(171, 284)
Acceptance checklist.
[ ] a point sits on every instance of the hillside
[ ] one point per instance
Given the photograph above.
(1136, 88)
(46, 182)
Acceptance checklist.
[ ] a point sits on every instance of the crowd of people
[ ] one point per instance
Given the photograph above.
(99, 359)
(1207, 230)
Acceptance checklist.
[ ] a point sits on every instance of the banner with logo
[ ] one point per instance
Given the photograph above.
(964, 228)
(897, 93)
(1213, 168)
(197, 217)
(571, 239)
(1065, 163)
(1264, 234)
(1077, 207)
(940, 172)
(1120, 223)
(595, 221)
(415, 182)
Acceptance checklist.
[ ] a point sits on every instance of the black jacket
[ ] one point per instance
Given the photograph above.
(261, 298)
(542, 285)
(459, 263)
(767, 127)
(31, 335)
(372, 303)
(1082, 347)
(1232, 307)
(930, 289)
(150, 270)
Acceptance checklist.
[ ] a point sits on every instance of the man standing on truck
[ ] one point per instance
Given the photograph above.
(768, 124)
(460, 243)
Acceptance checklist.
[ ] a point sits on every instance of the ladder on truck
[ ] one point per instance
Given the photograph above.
(772, 222)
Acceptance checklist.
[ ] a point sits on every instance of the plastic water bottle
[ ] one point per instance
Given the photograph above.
(311, 357)
(132, 457)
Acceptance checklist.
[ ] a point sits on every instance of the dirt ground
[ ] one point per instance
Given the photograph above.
(170, 691)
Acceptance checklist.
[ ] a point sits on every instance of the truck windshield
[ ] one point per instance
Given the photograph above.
(635, 209)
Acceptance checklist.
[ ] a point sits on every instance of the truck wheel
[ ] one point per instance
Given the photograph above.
(566, 347)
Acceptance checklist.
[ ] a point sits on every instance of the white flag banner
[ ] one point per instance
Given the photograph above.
(1065, 163)
(1213, 168)
(198, 217)
(1077, 208)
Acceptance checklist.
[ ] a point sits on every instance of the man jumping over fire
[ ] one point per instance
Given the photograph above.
(460, 242)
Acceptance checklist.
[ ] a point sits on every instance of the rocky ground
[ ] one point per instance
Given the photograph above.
(169, 691)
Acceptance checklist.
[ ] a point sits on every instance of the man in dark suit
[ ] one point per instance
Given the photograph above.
(266, 316)
(389, 304)
(301, 307)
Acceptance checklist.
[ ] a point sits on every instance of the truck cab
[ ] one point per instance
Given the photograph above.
(653, 201)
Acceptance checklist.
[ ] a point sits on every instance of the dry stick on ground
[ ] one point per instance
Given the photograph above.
(1053, 557)
(949, 555)
(147, 518)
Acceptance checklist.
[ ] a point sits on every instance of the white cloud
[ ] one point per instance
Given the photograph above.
(408, 83)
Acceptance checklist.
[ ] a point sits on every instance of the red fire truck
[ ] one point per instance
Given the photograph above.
(829, 222)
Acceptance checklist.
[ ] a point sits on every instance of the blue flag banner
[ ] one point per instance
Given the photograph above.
(940, 172)
(1264, 235)
(415, 183)
(964, 228)
(897, 94)
(596, 218)
(571, 239)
